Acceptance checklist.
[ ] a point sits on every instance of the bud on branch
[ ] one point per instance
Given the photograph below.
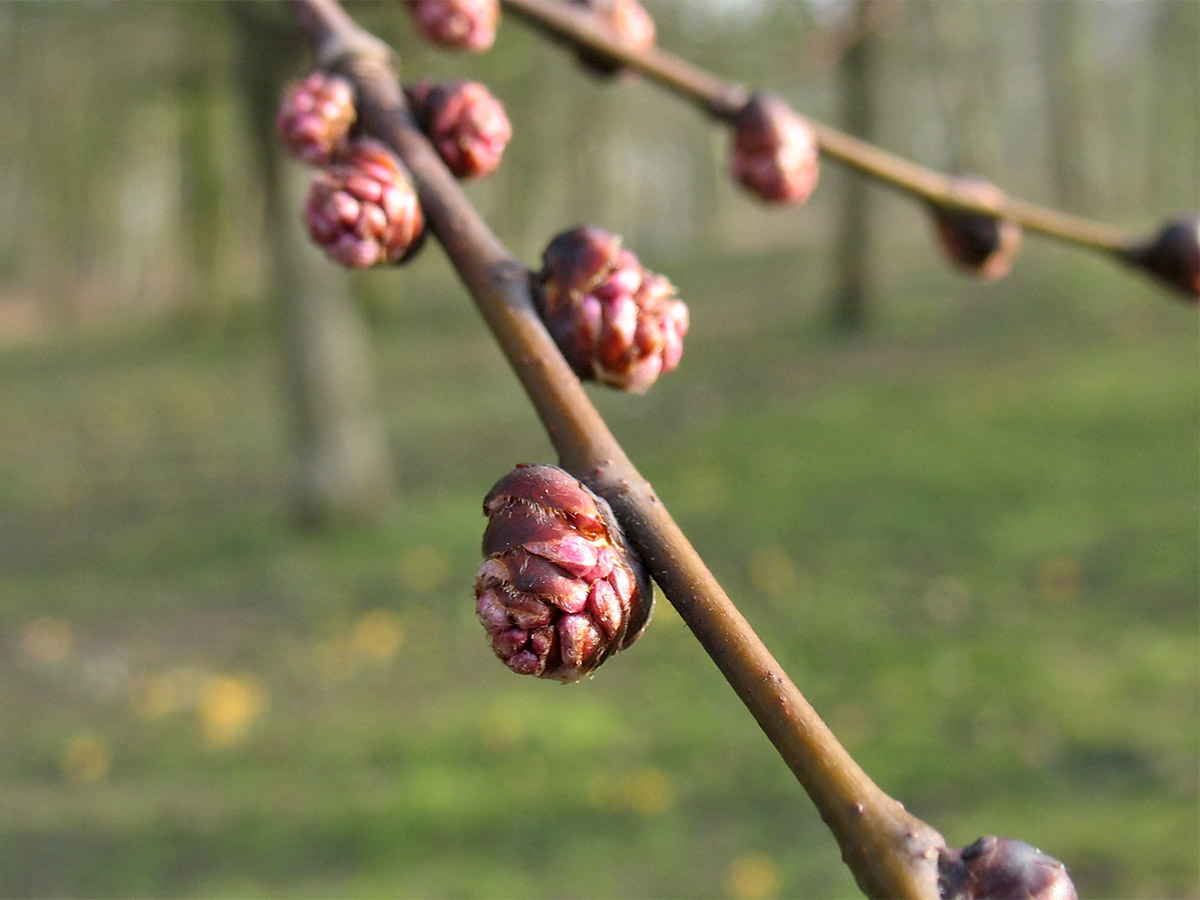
(559, 591)
(613, 320)
(628, 22)
(363, 210)
(466, 124)
(995, 868)
(980, 244)
(1173, 256)
(457, 24)
(315, 116)
(774, 151)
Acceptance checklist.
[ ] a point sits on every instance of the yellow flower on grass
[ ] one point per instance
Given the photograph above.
(648, 791)
(228, 707)
(85, 759)
(424, 568)
(168, 691)
(773, 572)
(46, 640)
(378, 635)
(752, 877)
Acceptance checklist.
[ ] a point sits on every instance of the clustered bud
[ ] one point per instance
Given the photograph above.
(315, 116)
(464, 122)
(775, 153)
(976, 242)
(1173, 255)
(996, 868)
(629, 23)
(457, 24)
(559, 590)
(363, 210)
(613, 320)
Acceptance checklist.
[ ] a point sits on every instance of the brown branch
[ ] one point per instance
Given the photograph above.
(719, 98)
(890, 852)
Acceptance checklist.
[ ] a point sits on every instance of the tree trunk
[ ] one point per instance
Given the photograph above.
(344, 470)
(853, 253)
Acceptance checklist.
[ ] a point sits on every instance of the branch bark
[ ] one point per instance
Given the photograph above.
(890, 852)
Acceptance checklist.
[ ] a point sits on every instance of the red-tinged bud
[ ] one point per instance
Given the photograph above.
(996, 868)
(1173, 255)
(629, 23)
(466, 124)
(457, 24)
(363, 210)
(980, 244)
(614, 321)
(315, 116)
(559, 590)
(775, 153)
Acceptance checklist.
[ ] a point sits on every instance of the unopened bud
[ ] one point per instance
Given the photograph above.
(457, 24)
(465, 123)
(613, 320)
(775, 153)
(978, 243)
(1173, 255)
(627, 20)
(559, 590)
(363, 209)
(997, 868)
(315, 116)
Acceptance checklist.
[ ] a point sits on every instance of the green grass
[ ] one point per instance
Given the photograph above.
(970, 536)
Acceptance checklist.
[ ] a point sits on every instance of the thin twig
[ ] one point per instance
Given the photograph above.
(722, 99)
(890, 852)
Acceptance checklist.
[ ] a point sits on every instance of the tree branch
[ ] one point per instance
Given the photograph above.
(890, 852)
(720, 98)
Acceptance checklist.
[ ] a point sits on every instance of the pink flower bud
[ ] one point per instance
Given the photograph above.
(995, 868)
(775, 153)
(363, 210)
(466, 124)
(1173, 255)
(980, 244)
(559, 590)
(629, 23)
(457, 24)
(315, 116)
(614, 321)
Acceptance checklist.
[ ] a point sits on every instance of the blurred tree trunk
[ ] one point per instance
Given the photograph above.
(1175, 145)
(1073, 154)
(853, 255)
(344, 468)
(964, 74)
(202, 190)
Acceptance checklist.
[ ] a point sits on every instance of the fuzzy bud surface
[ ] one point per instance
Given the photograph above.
(1173, 255)
(615, 321)
(362, 210)
(559, 590)
(997, 868)
(629, 23)
(980, 244)
(315, 116)
(465, 123)
(457, 24)
(775, 153)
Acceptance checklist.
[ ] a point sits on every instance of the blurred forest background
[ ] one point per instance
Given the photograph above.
(964, 516)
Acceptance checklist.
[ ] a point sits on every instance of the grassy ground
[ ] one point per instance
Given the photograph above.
(970, 536)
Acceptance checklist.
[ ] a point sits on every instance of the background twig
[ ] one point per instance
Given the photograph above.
(721, 99)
